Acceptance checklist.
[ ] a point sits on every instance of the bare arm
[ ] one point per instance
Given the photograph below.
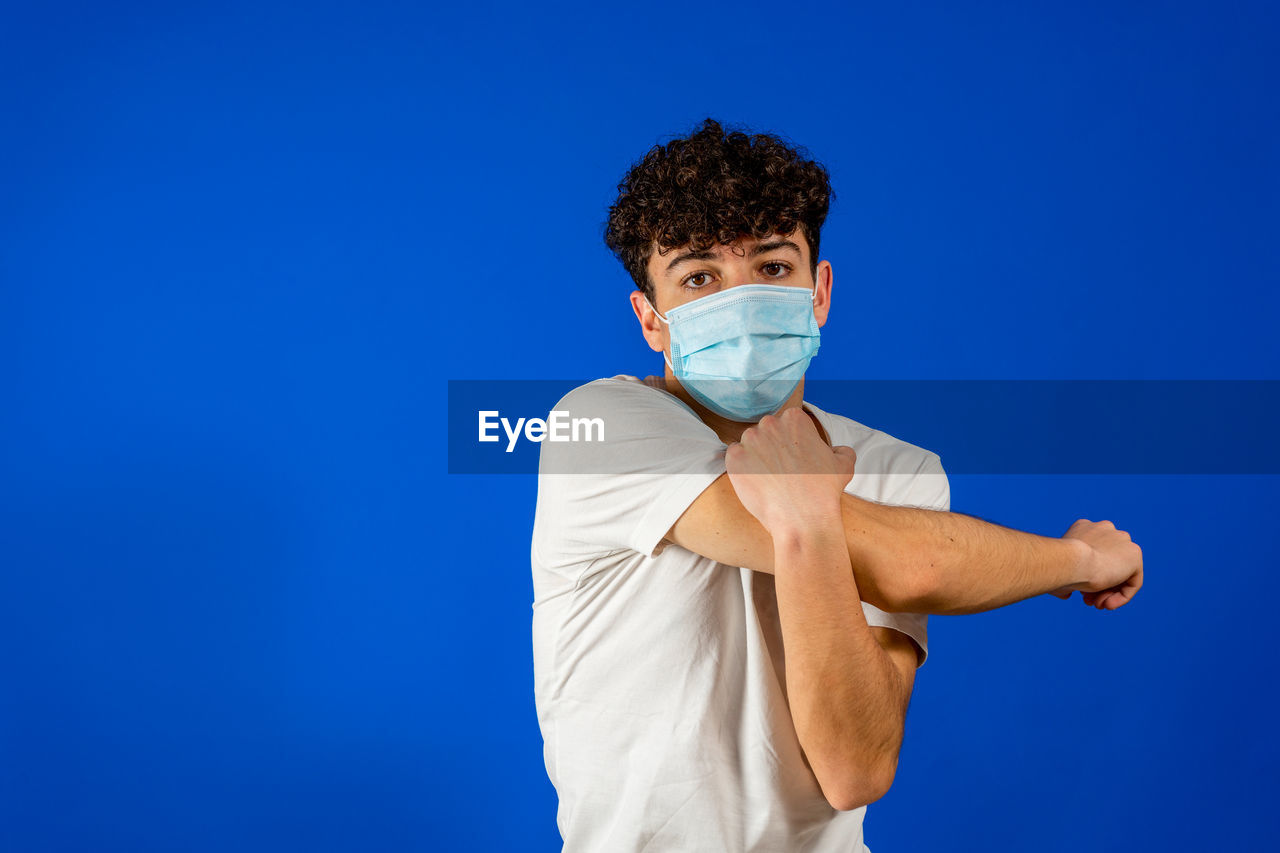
(846, 689)
(848, 693)
(925, 561)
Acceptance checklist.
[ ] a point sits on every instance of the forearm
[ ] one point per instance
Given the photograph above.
(925, 561)
(845, 695)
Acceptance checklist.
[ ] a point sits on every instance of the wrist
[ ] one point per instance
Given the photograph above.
(1081, 568)
(796, 529)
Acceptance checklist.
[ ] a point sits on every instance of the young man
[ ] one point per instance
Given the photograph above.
(727, 618)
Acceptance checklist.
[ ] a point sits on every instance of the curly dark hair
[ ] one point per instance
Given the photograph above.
(715, 187)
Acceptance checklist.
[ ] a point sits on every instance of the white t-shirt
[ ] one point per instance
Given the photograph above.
(659, 673)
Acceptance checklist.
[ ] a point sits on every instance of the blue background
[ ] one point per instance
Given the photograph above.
(244, 246)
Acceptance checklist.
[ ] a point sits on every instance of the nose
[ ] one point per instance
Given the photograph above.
(738, 274)
(737, 278)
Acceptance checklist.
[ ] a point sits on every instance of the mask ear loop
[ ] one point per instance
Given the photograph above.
(655, 310)
(668, 322)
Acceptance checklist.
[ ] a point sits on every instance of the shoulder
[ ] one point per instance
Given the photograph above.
(878, 451)
(625, 396)
(634, 426)
(889, 469)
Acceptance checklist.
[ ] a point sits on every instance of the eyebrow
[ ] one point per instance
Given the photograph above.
(707, 254)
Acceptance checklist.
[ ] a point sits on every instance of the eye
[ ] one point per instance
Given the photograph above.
(782, 269)
(692, 282)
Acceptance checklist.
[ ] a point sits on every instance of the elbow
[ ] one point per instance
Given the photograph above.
(862, 789)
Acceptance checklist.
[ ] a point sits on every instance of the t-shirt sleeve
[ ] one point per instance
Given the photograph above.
(650, 456)
(928, 489)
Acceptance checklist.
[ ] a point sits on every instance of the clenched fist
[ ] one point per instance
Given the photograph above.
(786, 475)
(1114, 565)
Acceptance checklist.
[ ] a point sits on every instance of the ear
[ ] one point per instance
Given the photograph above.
(822, 293)
(653, 329)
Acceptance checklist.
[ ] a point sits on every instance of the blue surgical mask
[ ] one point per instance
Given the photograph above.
(742, 352)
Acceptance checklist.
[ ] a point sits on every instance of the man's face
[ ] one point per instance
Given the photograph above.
(682, 275)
